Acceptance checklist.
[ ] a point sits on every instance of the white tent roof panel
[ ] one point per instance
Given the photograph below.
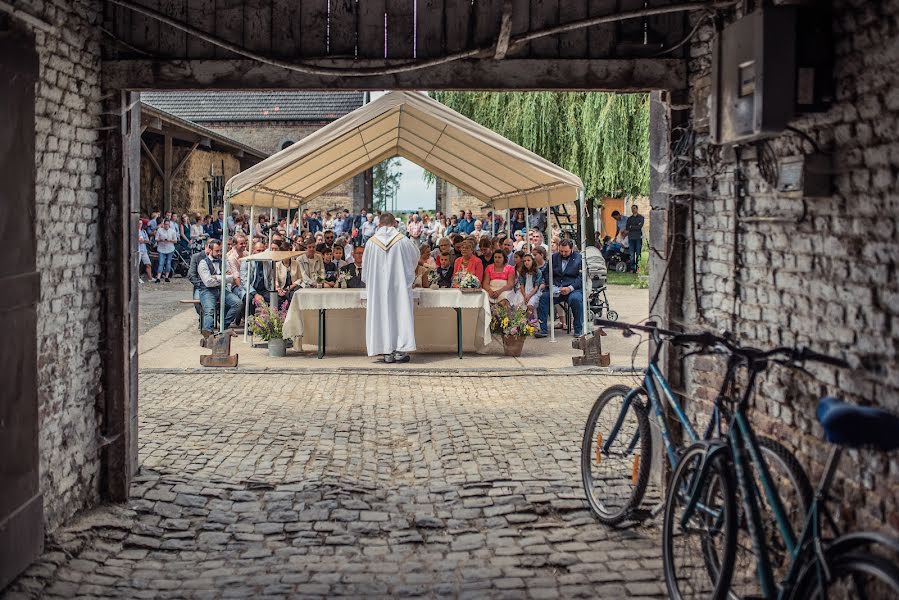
(415, 127)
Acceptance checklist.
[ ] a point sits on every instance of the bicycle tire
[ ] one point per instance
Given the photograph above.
(607, 512)
(715, 579)
(852, 565)
(793, 488)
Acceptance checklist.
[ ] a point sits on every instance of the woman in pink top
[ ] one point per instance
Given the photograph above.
(499, 279)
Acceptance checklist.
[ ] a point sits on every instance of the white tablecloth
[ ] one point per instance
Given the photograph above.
(435, 324)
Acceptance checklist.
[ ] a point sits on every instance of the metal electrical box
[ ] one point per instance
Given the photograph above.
(754, 76)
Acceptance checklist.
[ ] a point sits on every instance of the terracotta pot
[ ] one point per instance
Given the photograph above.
(277, 348)
(513, 344)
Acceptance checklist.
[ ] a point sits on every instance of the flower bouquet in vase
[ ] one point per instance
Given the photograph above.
(466, 282)
(268, 324)
(342, 278)
(513, 325)
(433, 280)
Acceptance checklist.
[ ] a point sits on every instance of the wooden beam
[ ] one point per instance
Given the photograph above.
(152, 158)
(630, 75)
(184, 160)
(167, 173)
(505, 31)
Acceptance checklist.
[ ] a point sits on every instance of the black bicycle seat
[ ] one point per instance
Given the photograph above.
(856, 426)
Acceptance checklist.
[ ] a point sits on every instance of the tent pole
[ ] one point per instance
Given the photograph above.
(526, 230)
(551, 315)
(246, 298)
(224, 276)
(270, 217)
(582, 219)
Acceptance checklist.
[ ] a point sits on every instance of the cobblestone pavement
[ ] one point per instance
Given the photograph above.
(352, 485)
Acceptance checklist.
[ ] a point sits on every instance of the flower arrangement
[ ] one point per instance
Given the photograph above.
(433, 278)
(268, 324)
(342, 278)
(512, 321)
(465, 280)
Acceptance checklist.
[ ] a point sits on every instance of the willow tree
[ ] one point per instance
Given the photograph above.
(603, 138)
(386, 177)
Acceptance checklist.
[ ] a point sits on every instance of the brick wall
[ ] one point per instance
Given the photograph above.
(67, 184)
(828, 282)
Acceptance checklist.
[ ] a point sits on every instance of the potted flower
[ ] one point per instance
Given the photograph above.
(342, 278)
(513, 325)
(466, 282)
(268, 324)
(433, 280)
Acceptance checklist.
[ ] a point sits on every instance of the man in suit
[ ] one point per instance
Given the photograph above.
(259, 274)
(355, 269)
(567, 281)
(218, 226)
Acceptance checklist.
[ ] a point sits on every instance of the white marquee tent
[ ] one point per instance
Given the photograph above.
(411, 125)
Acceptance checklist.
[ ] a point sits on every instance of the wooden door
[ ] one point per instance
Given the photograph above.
(608, 206)
(21, 503)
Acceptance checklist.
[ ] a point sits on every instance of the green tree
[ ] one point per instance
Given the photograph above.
(603, 138)
(386, 177)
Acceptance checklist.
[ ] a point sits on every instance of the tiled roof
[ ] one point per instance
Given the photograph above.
(219, 106)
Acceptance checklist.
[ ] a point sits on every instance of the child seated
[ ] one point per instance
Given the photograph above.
(444, 271)
(330, 267)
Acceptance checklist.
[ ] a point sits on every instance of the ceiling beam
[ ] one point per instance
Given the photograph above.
(624, 75)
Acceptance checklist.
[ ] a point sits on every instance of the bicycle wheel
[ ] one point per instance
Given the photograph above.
(852, 575)
(795, 491)
(698, 555)
(616, 454)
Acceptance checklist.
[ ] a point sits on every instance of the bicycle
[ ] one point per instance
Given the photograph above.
(814, 565)
(617, 441)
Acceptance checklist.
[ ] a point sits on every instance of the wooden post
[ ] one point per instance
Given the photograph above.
(167, 173)
(119, 207)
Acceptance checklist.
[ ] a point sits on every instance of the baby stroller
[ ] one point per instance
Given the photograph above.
(597, 301)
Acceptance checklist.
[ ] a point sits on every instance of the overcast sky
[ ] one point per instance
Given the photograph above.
(414, 192)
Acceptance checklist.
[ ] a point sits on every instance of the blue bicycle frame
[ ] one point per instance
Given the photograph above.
(653, 380)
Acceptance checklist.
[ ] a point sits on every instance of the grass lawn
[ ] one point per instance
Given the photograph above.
(632, 279)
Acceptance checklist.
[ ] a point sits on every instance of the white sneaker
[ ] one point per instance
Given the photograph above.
(401, 357)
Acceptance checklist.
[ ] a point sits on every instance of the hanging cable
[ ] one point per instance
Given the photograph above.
(311, 69)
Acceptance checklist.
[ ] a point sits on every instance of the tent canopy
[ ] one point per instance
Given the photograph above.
(417, 128)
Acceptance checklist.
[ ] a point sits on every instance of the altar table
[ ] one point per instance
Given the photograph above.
(345, 333)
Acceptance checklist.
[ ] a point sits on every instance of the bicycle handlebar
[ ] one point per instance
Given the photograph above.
(709, 340)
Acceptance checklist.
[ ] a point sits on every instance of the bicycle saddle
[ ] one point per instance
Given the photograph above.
(854, 426)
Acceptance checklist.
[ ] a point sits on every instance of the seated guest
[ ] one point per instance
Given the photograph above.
(209, 270)
(530, 284)
(485, 250)
(444, 245)
(518, 256)
(337, 255)
(468, 261)
(259, 274)
(288, 278)
(499, 280)
(457, 244)
(566, 286)
(519, 241)
(355, 269)
(330, 267)
(444, 271)
(312, 268)
(426, 264)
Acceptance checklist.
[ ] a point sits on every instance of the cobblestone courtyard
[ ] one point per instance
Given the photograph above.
(352, 485)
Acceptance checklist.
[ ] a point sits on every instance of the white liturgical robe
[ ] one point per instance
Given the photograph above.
(388, 270)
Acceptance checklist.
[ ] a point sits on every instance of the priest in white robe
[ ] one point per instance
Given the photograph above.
(389, 272)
